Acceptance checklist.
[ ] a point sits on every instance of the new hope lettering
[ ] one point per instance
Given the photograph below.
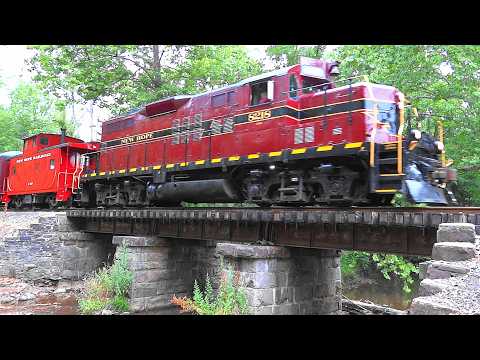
(136, 138)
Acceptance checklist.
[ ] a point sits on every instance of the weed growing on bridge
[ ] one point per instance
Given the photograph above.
(108, 287)
(230, 299)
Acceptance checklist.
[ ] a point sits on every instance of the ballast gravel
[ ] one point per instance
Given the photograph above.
(461, 292)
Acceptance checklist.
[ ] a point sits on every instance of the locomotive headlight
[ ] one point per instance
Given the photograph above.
(417, 134)
(440, 145)
(272, 167)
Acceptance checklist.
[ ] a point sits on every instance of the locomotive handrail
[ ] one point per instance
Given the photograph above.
(364, 77)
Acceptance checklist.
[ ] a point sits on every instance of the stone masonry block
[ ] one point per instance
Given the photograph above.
(456, 232)
(262, 310)
(264, 280)
(430, 287)
(454, 268)
(252, 251)
(434, 273)
(426, 305)
(303, 293)
(422, 269)
(76, 236)
(325, 290)
(141, 241)
(286, 309)
(259, 297)
(453, 251)
(327, 305)
(283, 295)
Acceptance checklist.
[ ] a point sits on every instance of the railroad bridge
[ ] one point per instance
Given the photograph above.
(406, 231)
(288, 258)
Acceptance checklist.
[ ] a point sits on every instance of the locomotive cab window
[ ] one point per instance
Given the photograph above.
(293, 87)
(259, 93)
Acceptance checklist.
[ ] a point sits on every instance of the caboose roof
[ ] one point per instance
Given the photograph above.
(50, 134)
(10, 154)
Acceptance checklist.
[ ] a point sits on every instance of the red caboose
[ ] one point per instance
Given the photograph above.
(4, 172)
(47, 172)
(290, 136)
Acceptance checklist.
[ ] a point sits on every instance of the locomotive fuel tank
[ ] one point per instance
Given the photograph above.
(214, 190)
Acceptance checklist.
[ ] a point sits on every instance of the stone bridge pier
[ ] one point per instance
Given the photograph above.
(277, 280)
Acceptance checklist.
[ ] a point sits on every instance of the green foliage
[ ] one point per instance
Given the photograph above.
(120, 277)
(120, 303)
(120, 77)
(91, 305)
(30, 111)
(286, 55)
(399, 200)
(229, 300)
(353, 262)
(108, 287)
(398, 265)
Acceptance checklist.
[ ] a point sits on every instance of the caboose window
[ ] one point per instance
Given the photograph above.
(219, 100)
(44, 141)
(259, 93)
(52, 164)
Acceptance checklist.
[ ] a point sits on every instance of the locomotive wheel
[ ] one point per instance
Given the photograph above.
(17, 203)
(52, 202)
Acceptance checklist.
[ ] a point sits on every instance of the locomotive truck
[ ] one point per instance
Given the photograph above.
(294, 136)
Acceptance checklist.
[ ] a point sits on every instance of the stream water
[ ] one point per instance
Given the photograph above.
(382, 292)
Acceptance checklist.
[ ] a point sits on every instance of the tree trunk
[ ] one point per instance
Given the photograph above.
(156, 65)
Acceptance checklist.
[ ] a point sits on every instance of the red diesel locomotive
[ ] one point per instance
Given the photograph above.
(46, 173)
(294, 136)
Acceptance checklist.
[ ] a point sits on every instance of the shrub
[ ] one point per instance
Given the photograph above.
(229, 300)
(353, 262)
(108, 287)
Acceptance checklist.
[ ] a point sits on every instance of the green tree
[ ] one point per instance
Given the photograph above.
(30, 111)
(286, 55)
(119, 77)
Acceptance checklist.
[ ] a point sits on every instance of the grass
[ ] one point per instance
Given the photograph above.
(107, 289)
